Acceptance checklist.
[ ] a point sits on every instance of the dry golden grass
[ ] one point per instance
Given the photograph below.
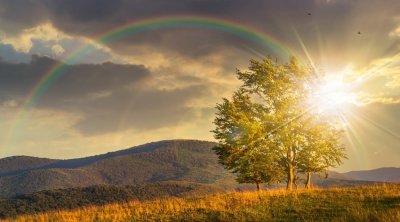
(370, 203)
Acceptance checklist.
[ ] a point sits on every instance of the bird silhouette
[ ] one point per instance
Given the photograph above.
(359, 33)
(308, 13)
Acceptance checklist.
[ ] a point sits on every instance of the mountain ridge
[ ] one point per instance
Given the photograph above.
(167, 160)
(385, 174)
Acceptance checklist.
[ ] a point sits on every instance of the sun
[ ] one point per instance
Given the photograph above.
(331, 93)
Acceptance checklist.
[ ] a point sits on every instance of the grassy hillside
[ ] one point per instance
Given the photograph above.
(73, 198)
(369, 203)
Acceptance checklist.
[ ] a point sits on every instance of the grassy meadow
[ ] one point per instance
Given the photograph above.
(366, 203)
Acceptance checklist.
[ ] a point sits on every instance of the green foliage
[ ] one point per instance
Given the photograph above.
(266, 132)
(323, 149)
(241, 150)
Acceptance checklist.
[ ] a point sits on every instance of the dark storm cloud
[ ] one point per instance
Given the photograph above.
(333, 25)
(20, 14)
(18, 79)
(108, 96)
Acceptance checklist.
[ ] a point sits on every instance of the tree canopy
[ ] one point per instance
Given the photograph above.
(267, 130)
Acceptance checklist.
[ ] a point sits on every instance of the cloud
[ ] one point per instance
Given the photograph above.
(23, 42)
(378, 82)
(80, 88)
(112, 97)
(9, 104)
(57, 49)
(99, 94)
(365, 99)
(395, 33)
(20, 15)
(45, 39)
(394, 83)
(381, 100)
(21, 77)
(91, 19)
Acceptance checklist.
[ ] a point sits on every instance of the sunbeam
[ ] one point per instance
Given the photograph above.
(376, 125)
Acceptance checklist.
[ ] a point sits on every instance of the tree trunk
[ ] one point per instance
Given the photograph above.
(308, 182)
(290, 158)
(258, 186)
(290, 177)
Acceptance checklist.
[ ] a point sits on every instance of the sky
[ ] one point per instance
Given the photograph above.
(80, 78)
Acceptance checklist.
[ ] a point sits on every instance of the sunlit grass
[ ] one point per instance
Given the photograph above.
(369, 203)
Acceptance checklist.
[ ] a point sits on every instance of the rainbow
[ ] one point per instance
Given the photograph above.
(136, 27)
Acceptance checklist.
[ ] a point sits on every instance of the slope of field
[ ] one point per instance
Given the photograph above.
(368, 203)
(72, 198)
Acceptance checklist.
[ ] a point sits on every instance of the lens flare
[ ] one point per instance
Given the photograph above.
(331, 93)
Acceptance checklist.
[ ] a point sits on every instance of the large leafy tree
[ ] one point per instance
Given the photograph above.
(261, 130)
(243, 149)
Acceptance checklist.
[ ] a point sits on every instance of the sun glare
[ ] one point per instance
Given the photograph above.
(331, 94)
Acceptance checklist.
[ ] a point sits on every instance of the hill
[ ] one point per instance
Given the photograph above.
(171, 160)
(368, 203)
(174, 160)
(387, 174)
(15, 164)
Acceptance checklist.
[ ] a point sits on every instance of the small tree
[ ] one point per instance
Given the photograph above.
(322, 151)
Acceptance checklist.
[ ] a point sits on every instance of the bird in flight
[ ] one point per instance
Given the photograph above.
(359, 33)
